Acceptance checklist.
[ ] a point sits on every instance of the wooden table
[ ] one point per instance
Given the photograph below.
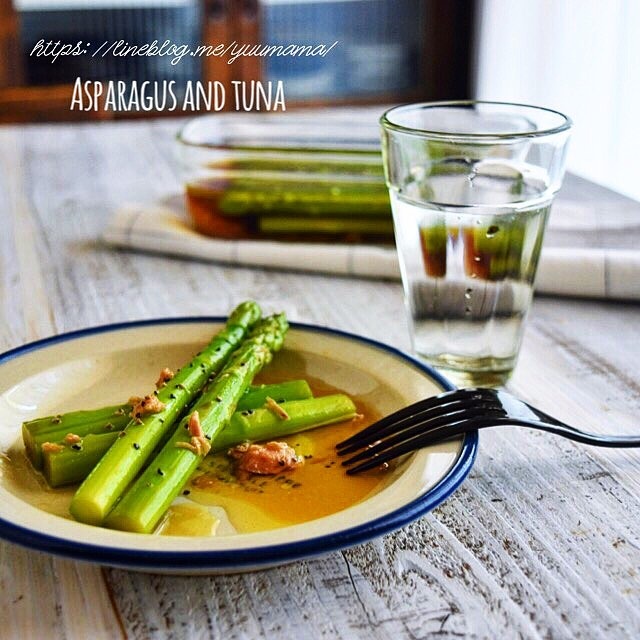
(541, 540)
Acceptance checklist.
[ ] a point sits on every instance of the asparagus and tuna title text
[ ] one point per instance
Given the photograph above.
(169, 95)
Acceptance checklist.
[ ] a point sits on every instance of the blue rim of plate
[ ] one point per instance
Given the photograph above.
(254, 557)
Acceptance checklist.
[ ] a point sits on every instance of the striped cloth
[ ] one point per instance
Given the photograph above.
(573, 260)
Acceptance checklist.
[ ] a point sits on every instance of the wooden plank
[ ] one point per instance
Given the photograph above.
(35, 307)
(47, 596)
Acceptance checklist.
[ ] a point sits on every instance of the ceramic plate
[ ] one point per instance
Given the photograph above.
(102, 365)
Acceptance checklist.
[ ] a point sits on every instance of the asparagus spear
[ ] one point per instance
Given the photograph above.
(306, 198)
(110, 477)
(256, 395)
(364, 164)
(113, 419)
(146, 501)
(54, 428)
(297, 224)
(72, 465)
(67, 422)
(264, 424)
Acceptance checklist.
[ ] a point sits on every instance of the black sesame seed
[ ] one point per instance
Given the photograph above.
(173, 396)
(186, 492)
(136, 446)
(77, 447)
(207, 437)
(244, 413)
(160, 472)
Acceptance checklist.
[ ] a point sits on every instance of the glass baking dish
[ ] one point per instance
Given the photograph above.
(289, 177)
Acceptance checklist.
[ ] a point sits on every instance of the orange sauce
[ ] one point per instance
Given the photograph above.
(318, 488)
(202, 201)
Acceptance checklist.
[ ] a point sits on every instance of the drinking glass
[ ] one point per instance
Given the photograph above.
(471, 185)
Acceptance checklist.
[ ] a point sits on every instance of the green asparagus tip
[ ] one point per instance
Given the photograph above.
(246, 313)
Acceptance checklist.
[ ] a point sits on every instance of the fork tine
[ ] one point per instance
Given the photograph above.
(411, 409)
(368, 438)
(436, 403)
(421, 432)
(446, 432)
(422, 423)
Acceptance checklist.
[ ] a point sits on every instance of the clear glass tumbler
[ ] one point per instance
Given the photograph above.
(471, 186)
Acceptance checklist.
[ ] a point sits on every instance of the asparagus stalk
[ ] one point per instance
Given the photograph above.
(365, 164)
(240, 197)
(72, 465)
(110, 477)
(264, 424)
(297, 224)
(67, 422)
(146, 501)
(257, 395)
(54, 428)
(305, 198)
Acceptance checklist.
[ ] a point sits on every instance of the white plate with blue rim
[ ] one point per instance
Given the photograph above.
(102, 365)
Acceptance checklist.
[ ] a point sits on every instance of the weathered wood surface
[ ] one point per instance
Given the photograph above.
(541, 541)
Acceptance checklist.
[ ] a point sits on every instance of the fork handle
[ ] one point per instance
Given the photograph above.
(595, 439)
(379, 453)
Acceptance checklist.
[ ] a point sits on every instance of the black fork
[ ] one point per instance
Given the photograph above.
(452, 414)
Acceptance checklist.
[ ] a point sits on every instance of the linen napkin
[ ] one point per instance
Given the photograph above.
(571, 263)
